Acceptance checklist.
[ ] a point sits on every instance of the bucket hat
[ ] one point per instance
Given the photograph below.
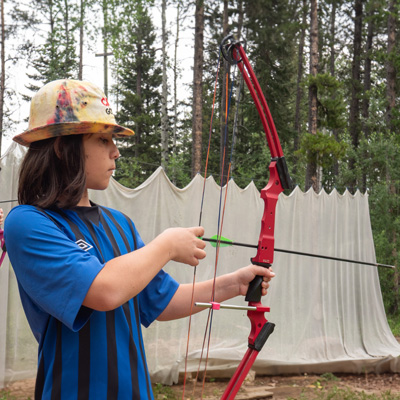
(69, 107)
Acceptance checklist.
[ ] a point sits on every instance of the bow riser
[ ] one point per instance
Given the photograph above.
(266, 241)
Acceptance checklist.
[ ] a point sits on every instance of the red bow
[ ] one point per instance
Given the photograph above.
(279, 179)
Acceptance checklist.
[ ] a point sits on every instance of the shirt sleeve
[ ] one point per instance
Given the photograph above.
(52, 270)
(155, 297)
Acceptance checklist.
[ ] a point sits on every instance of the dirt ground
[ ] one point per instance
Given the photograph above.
(266, 387)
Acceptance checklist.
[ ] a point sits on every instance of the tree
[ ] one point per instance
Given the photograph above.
(55, 57)
(299, 89)
(312, 177)
(197, 127)
(354, 119)
(164, 95)
(3, 70)
(138, 79)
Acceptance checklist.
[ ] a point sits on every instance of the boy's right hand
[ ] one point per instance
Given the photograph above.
(185, 245)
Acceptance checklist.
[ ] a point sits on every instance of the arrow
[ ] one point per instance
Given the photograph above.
(224, 242)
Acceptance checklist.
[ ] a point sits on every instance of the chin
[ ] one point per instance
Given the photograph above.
(99, 187)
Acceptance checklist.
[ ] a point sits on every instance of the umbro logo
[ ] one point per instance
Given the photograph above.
(83, 245)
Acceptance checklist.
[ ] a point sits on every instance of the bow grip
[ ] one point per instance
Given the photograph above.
(254, 289)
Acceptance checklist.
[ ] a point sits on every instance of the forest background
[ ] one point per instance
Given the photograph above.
(329, 70)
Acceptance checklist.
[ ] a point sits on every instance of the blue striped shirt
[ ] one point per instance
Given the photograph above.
(83, 353)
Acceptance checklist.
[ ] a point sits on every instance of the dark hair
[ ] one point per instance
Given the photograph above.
(53, 173)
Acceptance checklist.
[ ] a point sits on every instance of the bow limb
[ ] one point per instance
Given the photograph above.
(279, 180)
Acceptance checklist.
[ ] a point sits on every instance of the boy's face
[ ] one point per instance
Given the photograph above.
(100, 155)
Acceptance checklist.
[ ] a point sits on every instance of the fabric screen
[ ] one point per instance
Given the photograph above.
(329, 315)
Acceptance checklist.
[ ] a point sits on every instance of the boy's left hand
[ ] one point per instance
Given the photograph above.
(247, 274)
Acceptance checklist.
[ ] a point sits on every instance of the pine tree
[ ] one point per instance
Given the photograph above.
(54, 57)
(138, 75)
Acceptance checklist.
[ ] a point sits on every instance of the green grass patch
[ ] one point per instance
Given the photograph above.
(163, 392)
(6, 396)
(336, 393)
(394, 326)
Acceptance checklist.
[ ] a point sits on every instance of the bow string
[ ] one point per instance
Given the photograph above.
(279, 180)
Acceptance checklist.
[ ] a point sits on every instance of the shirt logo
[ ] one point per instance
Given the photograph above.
(83, 245)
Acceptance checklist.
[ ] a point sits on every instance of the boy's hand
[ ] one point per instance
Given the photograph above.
(185, 245)
(247, 274)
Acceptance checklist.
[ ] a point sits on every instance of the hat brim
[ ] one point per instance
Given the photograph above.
(70, 128)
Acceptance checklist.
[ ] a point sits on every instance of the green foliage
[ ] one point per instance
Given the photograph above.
(329, 377)
(394, 324)
(131, 173)
(331, 105)
(321, 149)
(133, 41)
(56, 57)
(162, 392)
(6, 396)
(179, 171)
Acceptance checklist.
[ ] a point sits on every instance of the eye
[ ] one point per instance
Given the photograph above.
(104, 140)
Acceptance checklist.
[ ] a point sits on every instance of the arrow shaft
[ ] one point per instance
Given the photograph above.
(300, 253)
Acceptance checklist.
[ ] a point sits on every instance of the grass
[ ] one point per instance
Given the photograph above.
(394, 326)
(336, 393)
(163, 392)
(6, 396)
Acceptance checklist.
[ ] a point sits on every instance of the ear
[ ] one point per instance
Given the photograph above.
(57, 147)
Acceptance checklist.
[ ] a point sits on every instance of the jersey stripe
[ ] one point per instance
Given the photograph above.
(119, 228)
(84, 334)
(40, 378)
(57, 367)
(112, 362)
(132, 348)
(84, 362)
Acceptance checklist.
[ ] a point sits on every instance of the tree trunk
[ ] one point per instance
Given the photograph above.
(3, 73)
(332, 70)
(311, 174)
(138, 130)
(367, 85)
(390, 67)
(164, 95)
(82, 17)
(224, 141)
(354, 119)
(175, 123)
(105, 47)
(239, 87)
(391, 101)
(299, 90)
(197, 127)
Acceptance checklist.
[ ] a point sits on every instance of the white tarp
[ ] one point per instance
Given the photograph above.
(329, 316)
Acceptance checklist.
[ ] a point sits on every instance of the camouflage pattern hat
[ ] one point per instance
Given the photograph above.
(69, 107)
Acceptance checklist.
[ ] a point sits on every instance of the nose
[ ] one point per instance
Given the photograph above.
(115, 152)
